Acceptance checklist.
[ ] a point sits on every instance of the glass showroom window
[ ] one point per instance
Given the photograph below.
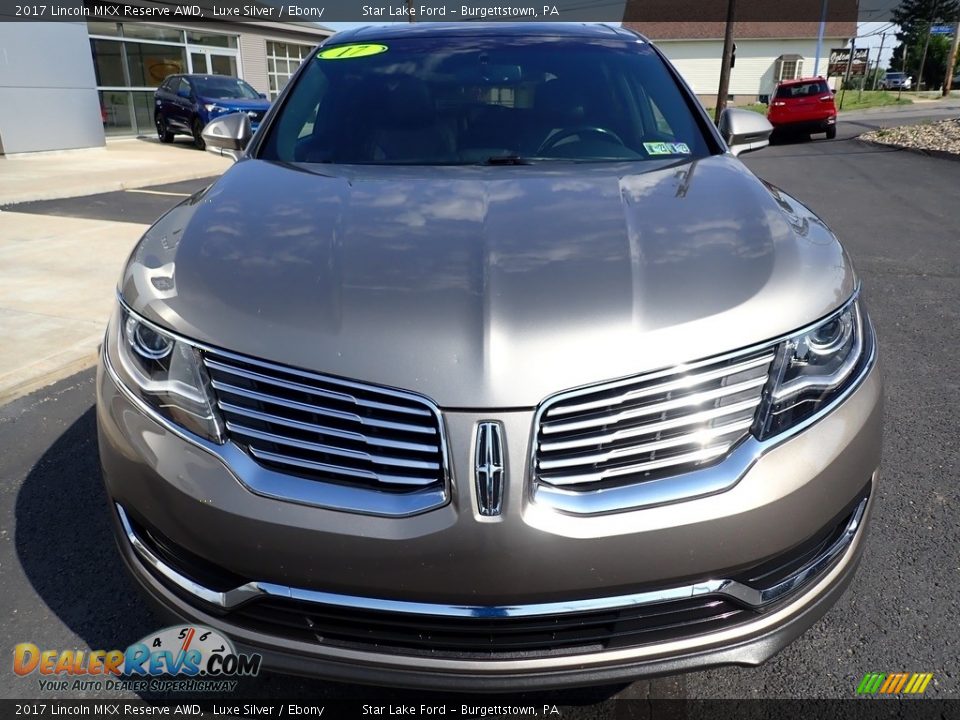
(132, 59)
(283, 59)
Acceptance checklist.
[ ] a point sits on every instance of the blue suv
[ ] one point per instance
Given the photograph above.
(184, 104)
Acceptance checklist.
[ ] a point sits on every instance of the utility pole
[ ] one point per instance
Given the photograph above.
(863, 80)
(876, 72)
(904, 70)
(823, 25)
(724, 88)
(952, 60)
(410, 15)
(923, 58)
(846, 76)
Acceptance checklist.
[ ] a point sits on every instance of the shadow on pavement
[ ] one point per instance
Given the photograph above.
(66, 547)
(180, 142)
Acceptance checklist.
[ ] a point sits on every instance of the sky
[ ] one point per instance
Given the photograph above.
(869, 35)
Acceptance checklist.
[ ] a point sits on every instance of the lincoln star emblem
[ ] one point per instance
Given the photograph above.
(488, 468)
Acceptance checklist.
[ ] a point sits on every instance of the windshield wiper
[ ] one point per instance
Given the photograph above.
(509, 160)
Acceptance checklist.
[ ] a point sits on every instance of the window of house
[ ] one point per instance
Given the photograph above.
(283, 59)
(790, 68)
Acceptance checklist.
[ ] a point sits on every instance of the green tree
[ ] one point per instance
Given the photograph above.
(937, 52)
(915, 18)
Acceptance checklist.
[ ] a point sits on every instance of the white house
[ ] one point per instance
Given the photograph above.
(766, 53)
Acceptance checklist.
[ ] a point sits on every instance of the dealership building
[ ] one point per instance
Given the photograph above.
(66, 85)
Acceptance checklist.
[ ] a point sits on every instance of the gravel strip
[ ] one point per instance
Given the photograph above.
(942, 136)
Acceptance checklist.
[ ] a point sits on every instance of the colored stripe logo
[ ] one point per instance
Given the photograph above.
(894, 683)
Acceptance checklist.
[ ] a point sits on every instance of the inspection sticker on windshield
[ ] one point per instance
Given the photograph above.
(348, 52)
(665, 148)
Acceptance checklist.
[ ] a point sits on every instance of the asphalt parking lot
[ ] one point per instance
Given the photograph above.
(898, 214)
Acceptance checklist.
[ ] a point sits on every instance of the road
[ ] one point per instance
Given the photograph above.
(896, 212)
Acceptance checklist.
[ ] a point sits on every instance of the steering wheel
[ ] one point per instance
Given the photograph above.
(554, 140)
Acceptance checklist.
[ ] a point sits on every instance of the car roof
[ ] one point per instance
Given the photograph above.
(484, 30)
(798, 81)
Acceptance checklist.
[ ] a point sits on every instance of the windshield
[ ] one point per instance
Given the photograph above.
(457, 100)
(224, 87)
(802, 90)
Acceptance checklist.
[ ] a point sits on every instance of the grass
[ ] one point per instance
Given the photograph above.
(870, 99)
(754, 107)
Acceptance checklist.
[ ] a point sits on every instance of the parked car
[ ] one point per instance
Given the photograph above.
(184, 104)
(490, 366)
(896, 81)
(803, 106)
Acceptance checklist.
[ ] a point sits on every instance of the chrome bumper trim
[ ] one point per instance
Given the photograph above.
(755, 598)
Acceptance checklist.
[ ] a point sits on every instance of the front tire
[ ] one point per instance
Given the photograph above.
(198, 140)
(831, 132)
(163, 132)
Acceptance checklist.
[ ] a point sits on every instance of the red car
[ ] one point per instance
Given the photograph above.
(803, 106)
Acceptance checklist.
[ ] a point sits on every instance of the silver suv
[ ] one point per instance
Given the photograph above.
(896, 81)
(490, 366)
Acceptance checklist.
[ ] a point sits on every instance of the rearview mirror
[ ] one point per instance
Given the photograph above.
(228, 135)
(744, 130)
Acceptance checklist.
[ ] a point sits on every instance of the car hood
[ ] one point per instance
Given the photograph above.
(487, 287)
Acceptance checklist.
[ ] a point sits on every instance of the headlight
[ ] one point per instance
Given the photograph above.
(813, 368)
(165, 373)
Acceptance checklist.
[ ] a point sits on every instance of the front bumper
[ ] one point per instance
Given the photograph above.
(529, 556)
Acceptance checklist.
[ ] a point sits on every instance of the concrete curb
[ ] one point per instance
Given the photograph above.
(914, 106)
(53, 373)
(121, 164)
(101, 187)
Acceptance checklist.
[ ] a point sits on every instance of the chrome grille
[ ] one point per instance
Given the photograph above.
(648, 427)
(330, 429)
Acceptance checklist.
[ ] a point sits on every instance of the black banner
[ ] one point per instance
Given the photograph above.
(697, 15)
(490, 707)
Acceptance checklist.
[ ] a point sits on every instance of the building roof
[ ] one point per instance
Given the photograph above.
(767, 19)
(744, 30)
(486, 29)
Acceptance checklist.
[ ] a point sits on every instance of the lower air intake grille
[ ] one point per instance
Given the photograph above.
(318, 427)
(656, 425)
(501, 638)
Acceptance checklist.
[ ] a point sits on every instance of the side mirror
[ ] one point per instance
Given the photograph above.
(744, 130)
(228, 135)
(263, 95)
(184, 93)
